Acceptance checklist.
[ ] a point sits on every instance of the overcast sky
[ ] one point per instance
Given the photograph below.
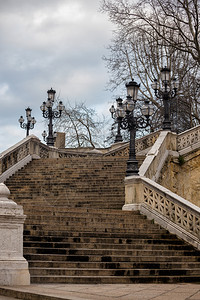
(50, 43)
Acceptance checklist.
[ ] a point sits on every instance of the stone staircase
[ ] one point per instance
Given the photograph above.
(71, 182)
(76, 232)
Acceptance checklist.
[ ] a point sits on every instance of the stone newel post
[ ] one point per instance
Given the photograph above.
(13, 266)
(133, 193)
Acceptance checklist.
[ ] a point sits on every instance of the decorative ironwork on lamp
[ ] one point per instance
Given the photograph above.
(167, 92)
(30, 121)
(50, 113)
(129, 121)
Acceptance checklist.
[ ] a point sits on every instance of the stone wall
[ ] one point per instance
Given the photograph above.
(182, 176)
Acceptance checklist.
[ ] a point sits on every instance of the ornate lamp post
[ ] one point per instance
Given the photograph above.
(132, 123)
(44, 135)
(30, 121)
(167, 93)
(49, 113)
(117, 117)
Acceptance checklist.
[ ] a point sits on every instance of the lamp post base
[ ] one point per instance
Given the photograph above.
(132, 167)
(50, 141)
(166, 125)
(118, 138)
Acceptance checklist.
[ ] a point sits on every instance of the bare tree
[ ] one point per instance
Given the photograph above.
(82, 126)
(140, 49)
(175, 22)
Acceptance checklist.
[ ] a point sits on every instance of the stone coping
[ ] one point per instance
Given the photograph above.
(18, 145)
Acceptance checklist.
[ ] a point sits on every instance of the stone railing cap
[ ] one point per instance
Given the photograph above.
(4, 194)
(18, 145)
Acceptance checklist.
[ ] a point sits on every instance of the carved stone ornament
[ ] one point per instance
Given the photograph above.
(188, 138)
(175, 212)
(4, 194)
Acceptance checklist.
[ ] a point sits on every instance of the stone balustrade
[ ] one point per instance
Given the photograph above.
(22, 153)
(15, 154)
(147, 141)
(157, 155)
(31, 147)
(174, 208)
(122, 149)
(171, 211)
(188, 138)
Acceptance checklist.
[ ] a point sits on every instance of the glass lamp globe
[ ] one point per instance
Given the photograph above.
(147, 109)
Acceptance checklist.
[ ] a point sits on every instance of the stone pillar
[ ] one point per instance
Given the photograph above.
(133, 193)
(60, 140)
(13, 266)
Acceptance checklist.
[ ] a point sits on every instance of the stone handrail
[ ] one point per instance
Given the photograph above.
(122, 149)
(20, 154)
(15, 154)
(179, 215)
(79, 153)
(169, 143)
(157, 155)
(188, 138)
(171, 211)
(9, 172)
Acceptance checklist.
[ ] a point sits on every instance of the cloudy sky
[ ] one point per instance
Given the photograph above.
(50, 43)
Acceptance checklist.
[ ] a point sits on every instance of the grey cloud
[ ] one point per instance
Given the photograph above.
(47, 43)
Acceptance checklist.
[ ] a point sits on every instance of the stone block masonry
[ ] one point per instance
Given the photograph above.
(13, 266)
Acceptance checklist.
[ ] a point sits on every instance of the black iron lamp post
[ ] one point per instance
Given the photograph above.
(132, 123)
(44, 135)
(168, 92)
(30, 121)
(117, 116)
(50, 113)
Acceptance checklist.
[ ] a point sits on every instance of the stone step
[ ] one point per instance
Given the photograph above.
(116, 265)
(105, 240)
(75, 213)
(94, 227)
(84, 183)
(88, 218)
(161, 234)
(79, 204)
(114, 279)
(112, 272)
(111, 258)
(93, 212)
(82, 225)
(67, 181)
(142, 246)
(104, 252)
(68, 200)
(60, 230)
